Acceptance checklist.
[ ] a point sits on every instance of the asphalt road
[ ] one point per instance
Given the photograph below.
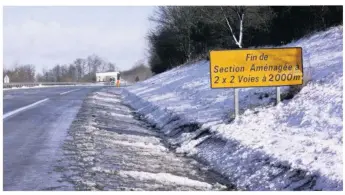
(32, 138)
(84, 138)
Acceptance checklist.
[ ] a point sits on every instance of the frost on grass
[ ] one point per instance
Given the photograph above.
(303, 133)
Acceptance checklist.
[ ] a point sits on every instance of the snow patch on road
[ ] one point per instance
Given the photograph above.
(107, 99)
(144, 145)
(165, 178)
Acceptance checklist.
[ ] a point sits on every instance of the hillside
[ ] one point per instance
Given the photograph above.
(296, 145)
(141, 72)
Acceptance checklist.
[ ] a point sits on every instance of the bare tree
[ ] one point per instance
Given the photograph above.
(94, 62)
(179, 20)
(139, 70)
(75, 71)
(21, 73)
(111, 67)
(39, 77)
(80, 65)
(239, 11)
(72, 73)
(237, 19)
(56, 71)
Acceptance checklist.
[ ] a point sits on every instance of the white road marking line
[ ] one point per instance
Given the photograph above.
(23, 108)
(63, 93)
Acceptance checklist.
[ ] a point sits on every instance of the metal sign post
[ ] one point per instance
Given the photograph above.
(236, 103)
(278, 95)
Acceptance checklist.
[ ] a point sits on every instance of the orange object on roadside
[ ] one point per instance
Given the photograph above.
(118, 83)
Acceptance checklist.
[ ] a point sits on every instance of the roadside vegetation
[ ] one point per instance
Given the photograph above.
(80, 70)
(137, 73)
(186, 33)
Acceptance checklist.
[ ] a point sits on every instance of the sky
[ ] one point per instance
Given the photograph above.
(46, 36)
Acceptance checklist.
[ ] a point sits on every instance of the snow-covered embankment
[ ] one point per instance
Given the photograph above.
(296, 145)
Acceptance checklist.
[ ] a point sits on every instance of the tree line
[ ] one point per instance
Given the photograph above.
(137, 73)
(80, 70)
(186, 33)
(21, 73)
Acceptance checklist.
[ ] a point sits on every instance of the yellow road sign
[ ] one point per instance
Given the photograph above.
(256, 67)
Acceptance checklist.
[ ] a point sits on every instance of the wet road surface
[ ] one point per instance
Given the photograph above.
(88, 140)
(32, 139)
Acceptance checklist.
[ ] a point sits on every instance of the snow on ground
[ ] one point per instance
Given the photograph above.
(165, 178)
(267, 144)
